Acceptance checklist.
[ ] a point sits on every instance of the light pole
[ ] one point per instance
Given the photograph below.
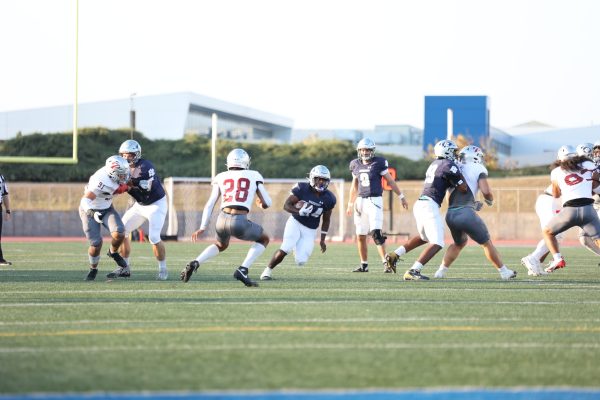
(131, 114)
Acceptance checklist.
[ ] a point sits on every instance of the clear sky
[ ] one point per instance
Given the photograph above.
(322, 63)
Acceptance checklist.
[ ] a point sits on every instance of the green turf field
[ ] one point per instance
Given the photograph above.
(317, 327)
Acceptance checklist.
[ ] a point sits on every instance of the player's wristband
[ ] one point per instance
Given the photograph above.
(401, 196)
(7, 211)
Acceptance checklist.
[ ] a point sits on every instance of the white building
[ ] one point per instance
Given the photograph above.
(167, 116)
(171, 116)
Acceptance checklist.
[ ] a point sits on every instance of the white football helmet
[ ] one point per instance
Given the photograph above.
(596, 152)
(131, 146)
(585, 150)
(471, 154)
(445, 149)
(238, 158)
(320, 171)
(117, 169)
(368, 145)
(566, 152)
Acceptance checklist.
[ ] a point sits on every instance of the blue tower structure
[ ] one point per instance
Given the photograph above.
(468, 115)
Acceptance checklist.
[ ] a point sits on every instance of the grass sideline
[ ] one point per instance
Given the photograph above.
(320, 327)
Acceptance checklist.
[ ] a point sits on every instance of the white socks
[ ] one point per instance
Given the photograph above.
(255, 251)
(208, 253)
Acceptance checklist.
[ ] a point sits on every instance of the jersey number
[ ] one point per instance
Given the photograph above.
(573, 179)
(241, 188)
(430, 174)
(364, 179)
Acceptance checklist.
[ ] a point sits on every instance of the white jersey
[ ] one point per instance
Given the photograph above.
(574, 185)
(472, 172)
(103, 187)
(238, 187)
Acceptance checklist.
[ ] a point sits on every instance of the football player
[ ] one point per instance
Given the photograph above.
(149, 204)
(588, 150)
(366, 203)
(236, 188)
(546, 207)
(462, 218)
(315, 201)
(96, 210)
(442, 174)
(573, 180)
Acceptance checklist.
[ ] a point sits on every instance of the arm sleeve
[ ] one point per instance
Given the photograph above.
(208, 207)
(85, 204)
(265, 195)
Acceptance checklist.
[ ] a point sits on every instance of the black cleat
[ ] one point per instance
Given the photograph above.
(241, 274)
(119, 273)
(4, 263)
(118, 259)
(414, 275)
(92, 274)
(361, 269)
(189, 269)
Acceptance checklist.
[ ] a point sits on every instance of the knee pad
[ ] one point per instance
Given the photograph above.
(378, 237)
(154, 238)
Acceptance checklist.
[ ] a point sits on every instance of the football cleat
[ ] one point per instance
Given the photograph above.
(266, 275)
(441, 273)
(189, 269)
(4, 263)
(119, 273)
(118, 259)
(508, 274)
(360, 268)
(414, 275)
(241, 274)
(163, 274)
(92, 274)
(532, 265)
(388, 268)
(392, 259)
(554, 265)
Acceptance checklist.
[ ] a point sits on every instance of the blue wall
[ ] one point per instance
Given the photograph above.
(470, 118)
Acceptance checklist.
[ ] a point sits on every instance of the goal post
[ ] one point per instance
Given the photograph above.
(187, 196)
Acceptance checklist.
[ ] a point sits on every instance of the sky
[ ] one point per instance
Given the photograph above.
(323, 63)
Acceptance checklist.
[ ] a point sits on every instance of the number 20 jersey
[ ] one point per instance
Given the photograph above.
(238, 187)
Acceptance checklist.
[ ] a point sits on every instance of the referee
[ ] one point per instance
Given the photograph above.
(4, 204)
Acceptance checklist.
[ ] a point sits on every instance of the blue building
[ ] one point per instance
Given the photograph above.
(456, 115)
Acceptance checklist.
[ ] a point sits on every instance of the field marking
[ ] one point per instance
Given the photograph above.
(318, 329)
(547, 287)
(306, 346)
(258, 302)
(290, 320)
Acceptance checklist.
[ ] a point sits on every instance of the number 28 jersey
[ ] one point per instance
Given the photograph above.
(238, 187)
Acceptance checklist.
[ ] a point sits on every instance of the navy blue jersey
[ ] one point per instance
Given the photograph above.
(321, 202)
(441, 175)
(369, 176)
(143, 170)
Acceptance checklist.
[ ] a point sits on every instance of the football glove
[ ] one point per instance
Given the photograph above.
(489, 202)
(305, 210)
(144, 185)
(478, 205)
(97, 215)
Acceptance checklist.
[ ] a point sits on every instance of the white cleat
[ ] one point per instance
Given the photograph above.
(532, 265)
(508, 274)
(441, 273)
(266, 275)
(163, 274)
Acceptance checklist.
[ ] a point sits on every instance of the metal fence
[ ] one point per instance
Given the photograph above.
(50, 209)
